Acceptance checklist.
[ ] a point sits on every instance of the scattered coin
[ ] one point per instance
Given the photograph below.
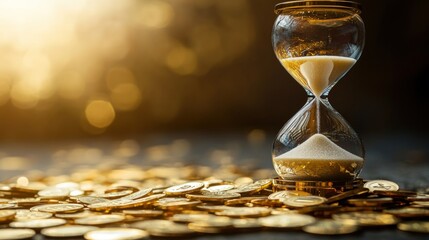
(345, 195)
(16, 234)
(286, 194)
(414, 226)
(367, 218)
(304, 201)
(38, 223)
(100, 219)
(381, 185)
(331, 227)
(116, 234)
(54, 193)
(245, 212)
(213, 196)
(24, 215)
(183, 189)
(163, 228)
(144, 213)
(67, 231)
(139, 194)
(7, 215)
(408, 212)
(114, 195)
(58, 208)
(287, 221)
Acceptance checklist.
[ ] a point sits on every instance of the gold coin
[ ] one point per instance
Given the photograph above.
(30, 202)
(67, 231)
(140, 202)
(213, 196)
(54, 193)
(144, 213)
(246, 223)
(420, 204)
(187, 218)
(75, 215)
(114, 195)
(264, 183)
(242, 201)
(304, 201)
(7, 215)
(287, 221)
(58, 208)
(16, 234)
(7, 206)
(178, 205)
(414, 226)
(90, 199)
(419, 197)
(139, 194)
(38, 223)
(238, 212)
(170, 199)
(212, 225)
(369, 202)
(213, 208)
(219, 188)
(116, 234)
(367, 218)
(247, 189)
(100, 219)
(266, 202)
(183, 189)
(24, 215)
(163, 228)
(408, 212)
(348, 194)
(286, 194)
(381, 185)
(331, 227)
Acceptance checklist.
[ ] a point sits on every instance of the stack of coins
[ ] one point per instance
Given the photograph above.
(135, 203)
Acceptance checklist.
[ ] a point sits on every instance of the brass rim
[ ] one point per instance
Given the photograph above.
(338, 4)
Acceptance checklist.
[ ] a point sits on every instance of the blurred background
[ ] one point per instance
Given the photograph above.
(74, 69)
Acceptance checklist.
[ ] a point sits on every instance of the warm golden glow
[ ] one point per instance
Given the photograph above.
(100, 113)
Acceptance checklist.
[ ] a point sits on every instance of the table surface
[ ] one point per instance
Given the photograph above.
(403, 158)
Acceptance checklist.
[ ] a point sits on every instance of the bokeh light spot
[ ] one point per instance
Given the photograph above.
(182, 60)
(126, 97)
(100, 113)
(155, 14)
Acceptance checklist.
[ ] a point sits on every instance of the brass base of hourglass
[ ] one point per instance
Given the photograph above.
(318, 188)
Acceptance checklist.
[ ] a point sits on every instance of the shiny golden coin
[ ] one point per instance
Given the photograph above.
(369, 202)
(116, 234)
(58, 208)
(219, 188)
(169, 200)
(30, 202)
(114, 195)
(139, 194)
(247, 189)
(179, 205)
(414, 226)
(144, 213)
(187, 218)
(7, 215)
(4, 200)
(89, 200)
(247, 212)
(164, 228)
(286, 194)
(264, 183)
(38, 223)
(183, 189)
(67, 231)
(367, 218)
(424, 204)
(24, 215)
(266, 202)
(213, 196)
(331, 227)
(16, 234)
(287, 221)
(54, 193)
(246, 223)
(348, 194)
(242, 201)
(419, 197)
(304, 201)
(381, 185)
(100, 219)
(212, 225)
(141, 201)
(213, 208)
(409, 212)
(76, 215)
(109, 205)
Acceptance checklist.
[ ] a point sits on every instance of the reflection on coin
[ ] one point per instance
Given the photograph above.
(76, 215)
(414, 226)
(286, 194)
(90, 199)
(331, 227)
(100, 219)
(304, 201)
(23, 215)
(15, 234)
(219, 188)
(143, 213)
(67, 231)
(138, 194)
(38, 223)
(116, 234)
(213, 196)
(114, 195)
(58, 208)
(367, 218)
(56, 193)
(7, 206)
(381, 185)
(287, 221)
(182, 189)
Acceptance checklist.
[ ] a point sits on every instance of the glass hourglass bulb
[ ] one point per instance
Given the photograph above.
(318, 42)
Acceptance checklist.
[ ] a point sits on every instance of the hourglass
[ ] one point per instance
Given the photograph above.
(317, 42)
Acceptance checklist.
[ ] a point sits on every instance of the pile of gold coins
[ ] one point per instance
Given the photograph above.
(134, 203)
